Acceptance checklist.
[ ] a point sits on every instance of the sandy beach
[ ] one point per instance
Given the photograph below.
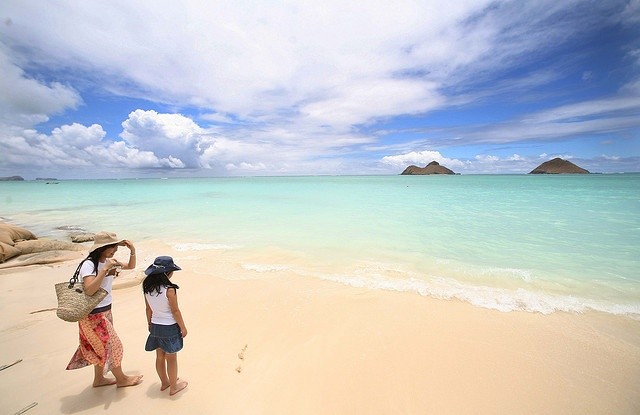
(317, 347)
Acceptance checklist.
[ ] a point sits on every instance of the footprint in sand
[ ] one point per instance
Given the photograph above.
(241, 354)
(241, 357)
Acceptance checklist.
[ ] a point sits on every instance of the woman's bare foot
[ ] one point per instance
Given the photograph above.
(130, 381)
(104, 382)
(179, 386)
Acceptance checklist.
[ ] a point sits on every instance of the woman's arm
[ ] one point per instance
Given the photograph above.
(132, 255)
(172, 296)
(91, 283)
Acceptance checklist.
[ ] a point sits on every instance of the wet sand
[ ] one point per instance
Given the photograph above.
(284, 344)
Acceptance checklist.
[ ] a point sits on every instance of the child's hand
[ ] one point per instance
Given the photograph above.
(183, 331)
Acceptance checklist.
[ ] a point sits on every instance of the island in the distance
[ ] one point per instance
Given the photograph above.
(558, 166)
(432, 168)
(554, 166)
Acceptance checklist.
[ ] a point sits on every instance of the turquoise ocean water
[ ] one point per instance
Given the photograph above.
(539, 243)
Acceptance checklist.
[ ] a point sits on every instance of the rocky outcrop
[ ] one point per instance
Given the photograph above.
(7, 252)
(43, 245)
(19, 246)
(432, 168)
(558, 166)
(9, 236)
(82, 237)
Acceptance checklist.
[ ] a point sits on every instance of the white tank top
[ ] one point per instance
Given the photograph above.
(159, 303)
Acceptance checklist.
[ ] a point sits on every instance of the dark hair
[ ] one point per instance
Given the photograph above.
(155, 282)
(94, 257)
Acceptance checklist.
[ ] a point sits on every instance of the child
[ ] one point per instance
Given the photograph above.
(166, 326)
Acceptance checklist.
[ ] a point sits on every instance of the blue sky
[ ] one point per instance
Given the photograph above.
(194, 88)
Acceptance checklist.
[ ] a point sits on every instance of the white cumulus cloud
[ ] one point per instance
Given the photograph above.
(420, 158)
(25, 101)
(290, 87)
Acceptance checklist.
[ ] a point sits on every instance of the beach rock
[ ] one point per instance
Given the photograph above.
(43, 245)
(6, 238)
(558, 166)
(7, 252)
(82, 237)
(41, 258)
(432, 168)
(10, 234)
(19, 247)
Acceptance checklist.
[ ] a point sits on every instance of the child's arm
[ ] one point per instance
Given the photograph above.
(172, 296)
(149, 312)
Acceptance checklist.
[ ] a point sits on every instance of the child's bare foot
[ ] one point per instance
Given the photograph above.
(104, 382)
(179, 386)
(130, 381)
(164, 386)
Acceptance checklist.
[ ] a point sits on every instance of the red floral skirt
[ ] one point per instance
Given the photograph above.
(99, 343)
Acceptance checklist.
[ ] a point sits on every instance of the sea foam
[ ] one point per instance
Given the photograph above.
(201, 247)
(500, 299)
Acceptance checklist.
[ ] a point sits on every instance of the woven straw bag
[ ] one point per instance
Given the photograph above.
(73, 303)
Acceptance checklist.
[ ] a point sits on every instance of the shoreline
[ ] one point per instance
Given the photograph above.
(501, 289)
(548, 246)
(317, 347)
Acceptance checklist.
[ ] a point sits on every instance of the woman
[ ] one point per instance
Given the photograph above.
(99, 343)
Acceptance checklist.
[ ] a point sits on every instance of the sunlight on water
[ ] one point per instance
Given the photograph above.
(537, 243)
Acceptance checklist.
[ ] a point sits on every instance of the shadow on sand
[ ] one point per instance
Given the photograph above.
(92, 397)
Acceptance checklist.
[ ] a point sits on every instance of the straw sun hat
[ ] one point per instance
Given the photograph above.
(103, 239)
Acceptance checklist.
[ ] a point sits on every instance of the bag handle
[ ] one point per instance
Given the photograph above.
(74, 280)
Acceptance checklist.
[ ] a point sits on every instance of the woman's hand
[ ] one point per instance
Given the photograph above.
(112, 267)
(132, 255)
(91, 283)
(128, 244)
(111, 263)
